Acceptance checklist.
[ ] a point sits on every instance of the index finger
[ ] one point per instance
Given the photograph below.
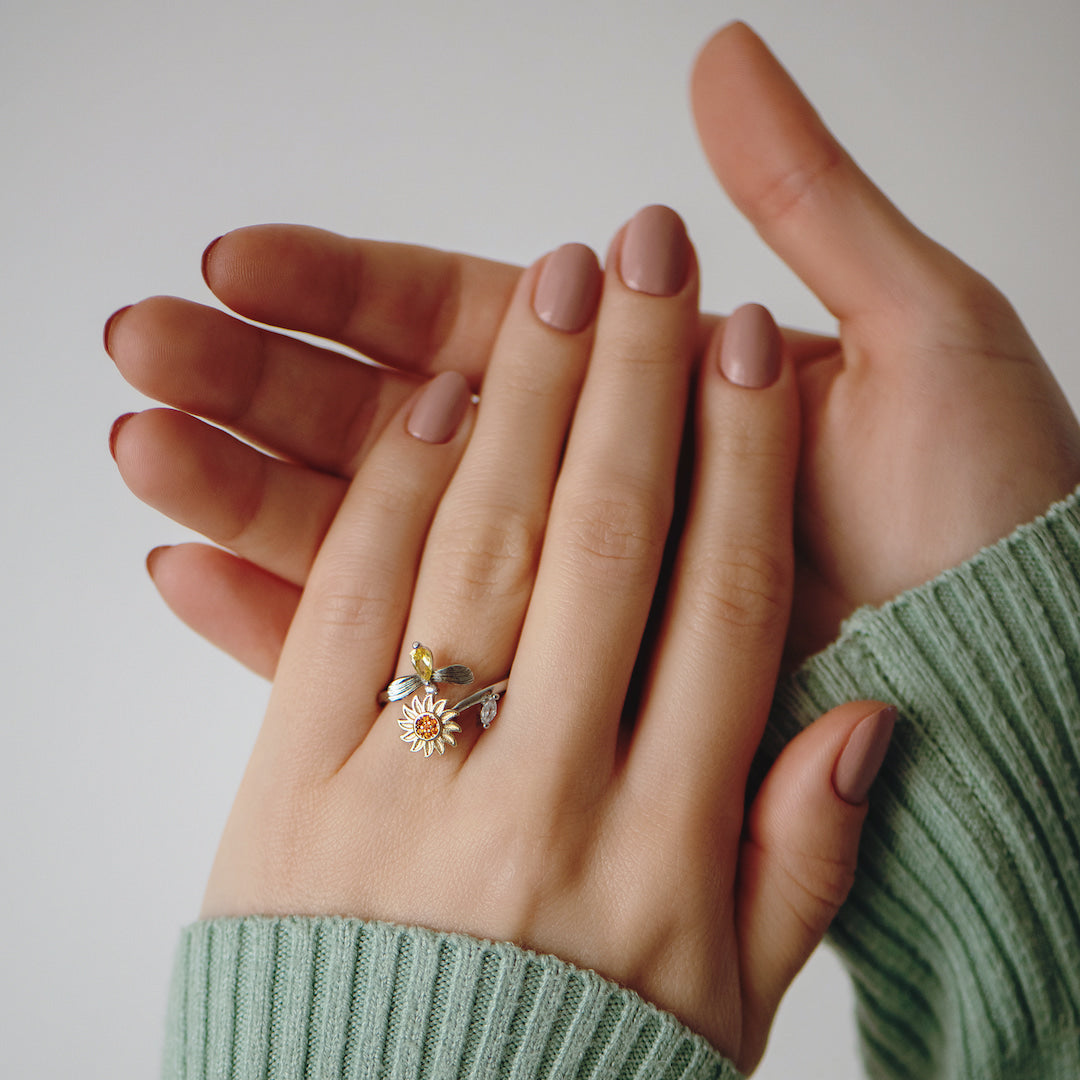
(412, 308)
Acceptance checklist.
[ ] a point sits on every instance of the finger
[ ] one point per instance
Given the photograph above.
(611, 509)
(790, 177)
(270, 512)
(307, 403)
(304, 402)
(726, 619)
(413, 308)
(480, 560)
(409, 307)
(803, 346)
(236, 606)
(344, 637)
(800, 849)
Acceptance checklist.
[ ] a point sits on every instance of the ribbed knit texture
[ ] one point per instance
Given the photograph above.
(962, 933)
(963, 930)
(322, 999)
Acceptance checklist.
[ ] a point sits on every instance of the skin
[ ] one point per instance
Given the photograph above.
(931, 428)
(568, 826)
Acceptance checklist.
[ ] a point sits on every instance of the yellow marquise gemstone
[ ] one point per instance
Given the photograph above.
(423, 662)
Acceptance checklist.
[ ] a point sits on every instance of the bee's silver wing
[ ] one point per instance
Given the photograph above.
(454, 673)
(403, 687)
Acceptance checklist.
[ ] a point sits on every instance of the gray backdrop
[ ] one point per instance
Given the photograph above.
(135, 132)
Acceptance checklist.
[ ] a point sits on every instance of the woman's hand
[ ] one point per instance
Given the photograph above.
(931, 428)
(934, 428)
(606, 829)
(414, 310)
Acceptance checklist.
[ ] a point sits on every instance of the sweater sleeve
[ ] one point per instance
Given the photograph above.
(962, 933)
(343, 999)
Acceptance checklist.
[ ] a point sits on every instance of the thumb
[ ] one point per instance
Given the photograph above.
(796, 184)
(799, 851)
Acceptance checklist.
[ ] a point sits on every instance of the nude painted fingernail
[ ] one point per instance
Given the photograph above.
(751, 348)
(109, 324)
(862, 758)
(439, 409)
(655, 255)
(152, 558)
(207, 252)
(568, 288)
(114, 431)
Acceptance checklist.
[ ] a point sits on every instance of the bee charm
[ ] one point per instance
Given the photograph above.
(427, 675)
(427, 723)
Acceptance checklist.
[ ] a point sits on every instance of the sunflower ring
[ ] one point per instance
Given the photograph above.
(430, 723)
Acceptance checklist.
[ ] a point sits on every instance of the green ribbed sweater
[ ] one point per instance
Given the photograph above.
(962, 933)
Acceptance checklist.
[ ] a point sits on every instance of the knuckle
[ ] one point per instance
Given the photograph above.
(528, 385)
(814, 887)
(957, 287)
(954, 303)
(797, 186)
(488, 556)
(354, 591)
(394, 494)
(619, 533)
(442, 306)
(743, 587)
(521, 871)
(742, 442)
(641, 351)
(349, 601)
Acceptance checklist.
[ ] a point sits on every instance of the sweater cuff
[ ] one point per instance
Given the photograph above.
(963, 929)
(294, 998)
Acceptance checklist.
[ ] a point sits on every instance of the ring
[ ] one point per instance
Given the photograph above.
(428, 723)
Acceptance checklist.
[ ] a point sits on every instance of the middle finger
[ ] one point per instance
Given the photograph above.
(611, 511)
(477, 573)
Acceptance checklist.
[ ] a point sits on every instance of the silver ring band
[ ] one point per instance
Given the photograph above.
(489, 696)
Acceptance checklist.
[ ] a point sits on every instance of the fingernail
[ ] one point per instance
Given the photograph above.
(206, 258)
(109, 324)
(861, 759)
(152, 558)
(114, 431)
(439, 408)
(568, 288)
(655, 252)
(751, 348)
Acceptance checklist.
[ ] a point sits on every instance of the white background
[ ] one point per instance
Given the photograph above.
(135, 132)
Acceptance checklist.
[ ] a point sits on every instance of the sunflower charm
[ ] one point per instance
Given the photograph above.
(428, 725)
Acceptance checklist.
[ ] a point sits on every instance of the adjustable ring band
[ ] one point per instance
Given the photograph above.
(428, 723)
(487, 699)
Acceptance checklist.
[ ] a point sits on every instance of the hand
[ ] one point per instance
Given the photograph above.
(318, 411)
(568, 826)
(935, 427)
(931, 429)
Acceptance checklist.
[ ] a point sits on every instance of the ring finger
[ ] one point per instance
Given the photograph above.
(477, 573)
(353, 608)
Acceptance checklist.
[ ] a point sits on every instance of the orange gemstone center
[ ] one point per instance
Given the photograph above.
(427, 726)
